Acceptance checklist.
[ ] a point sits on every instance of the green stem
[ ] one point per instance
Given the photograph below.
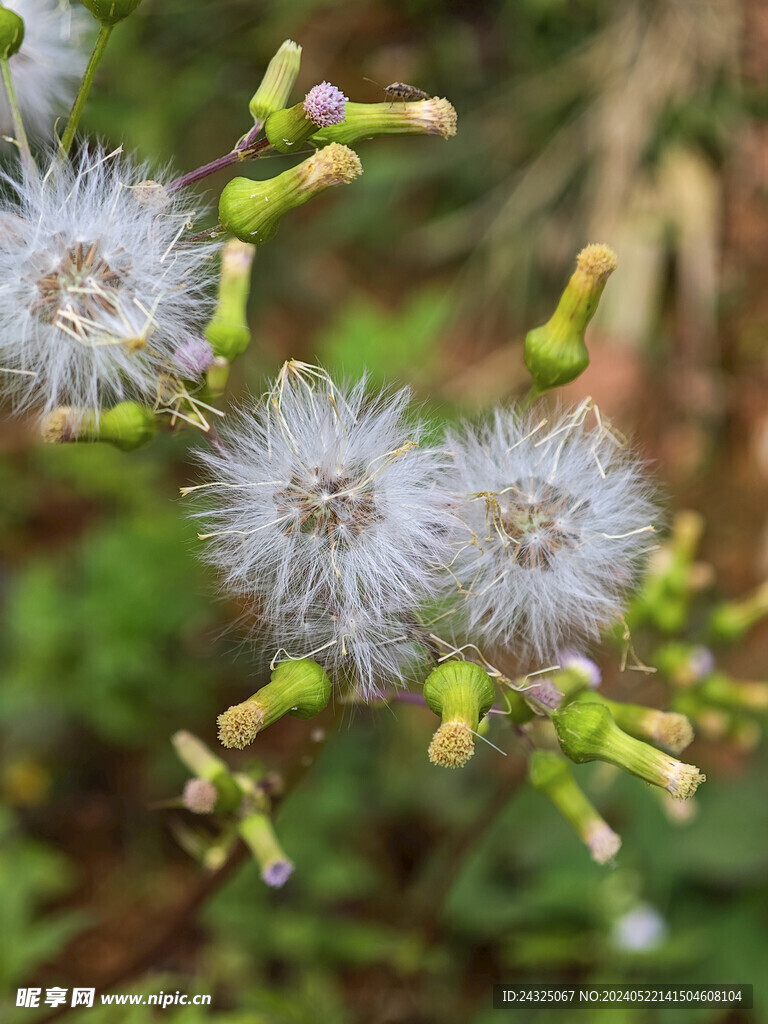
(85, 88)
(18, 124)
(525, 403)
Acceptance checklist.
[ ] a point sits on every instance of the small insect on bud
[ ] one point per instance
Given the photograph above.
(299, 687)
(193, 358)
(551, 774)
(556, 353)
(199, 796)
(127, 426)
(11, 33)
(323, 106)
(207, 768)
(228, 331)
(587, 732)
(277, 83)
(366, 120)
(730, 621)
(258, 834)
(251, 210)
(668, 729)
(461, 693)
(110, 12)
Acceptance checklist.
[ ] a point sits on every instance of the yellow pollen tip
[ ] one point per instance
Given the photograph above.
(597, 260)
(685, 779)
(442, 117)
(56, 427)
(240, 724)
(452, 745)
(333, 165)
(134, 344)
(674, 731)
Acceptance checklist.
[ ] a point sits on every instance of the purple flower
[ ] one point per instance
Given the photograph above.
(277, 873)
(193, 357)
(325, 105)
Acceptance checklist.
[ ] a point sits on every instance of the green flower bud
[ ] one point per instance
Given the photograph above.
(551, 774)
(461, 693)
(11, 33)
(110, 12)
(277, 83)
(664, 597)
(734, 695)
(668, 729)
(365, 120)
(258, 834)
(323, 105)
(587, 732)
(228, 331)
(251, 210)
(299, 687)
(556, 353)
(206, 766)
(127, 426)
(729, 622)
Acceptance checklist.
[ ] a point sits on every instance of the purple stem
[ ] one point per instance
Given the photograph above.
(246, 149)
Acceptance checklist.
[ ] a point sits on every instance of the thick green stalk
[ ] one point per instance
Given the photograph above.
(18, 124)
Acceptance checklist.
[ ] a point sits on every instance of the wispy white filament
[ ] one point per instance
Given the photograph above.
(556, 518)
(327, 513)
(98, 288)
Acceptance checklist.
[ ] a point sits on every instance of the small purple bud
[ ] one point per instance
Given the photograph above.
(277, 873)
(580, 663)
(546, 693)
(200, 796)
(702, 662)
(193, 357)
(325, 105)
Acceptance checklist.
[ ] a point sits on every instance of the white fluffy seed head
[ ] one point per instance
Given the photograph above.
(98, 289)
(556, 518)
(46, 69)
(326, 513)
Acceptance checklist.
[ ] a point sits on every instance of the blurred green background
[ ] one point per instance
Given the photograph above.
(640, 123)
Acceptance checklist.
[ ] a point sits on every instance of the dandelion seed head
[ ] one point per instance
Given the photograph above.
(326, 512)
(46, 69)
(556, 517)
(98, 289)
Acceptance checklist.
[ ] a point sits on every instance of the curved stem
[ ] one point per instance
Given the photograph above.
(18, 123)
(85, 88)
(236, 156)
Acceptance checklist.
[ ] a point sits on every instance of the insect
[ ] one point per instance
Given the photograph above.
(402, 91)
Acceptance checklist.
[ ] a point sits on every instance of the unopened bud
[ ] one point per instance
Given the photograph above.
(586, 731)
(252, 210)
(461, 693)
(366, 120)
(11, 32)
(551, 774)
(556, 352)
(300, 688)
(669, 729)
(126, 426)
(323, 106)
(733, 694)
(209, 768)
(277, 83)
(228, 331)
(193, 357)
(684, 664)
(259, 835)
(200, 796)
(730, 621)
(110, 12)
